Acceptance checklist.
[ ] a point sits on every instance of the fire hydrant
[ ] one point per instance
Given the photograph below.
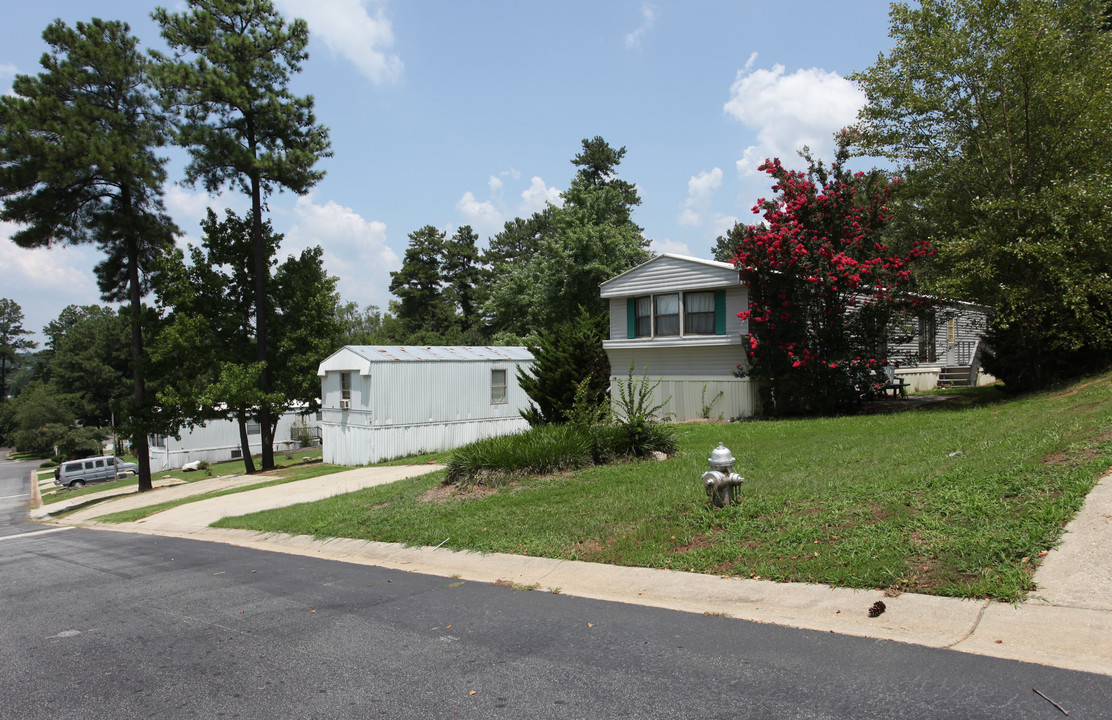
(721, 482)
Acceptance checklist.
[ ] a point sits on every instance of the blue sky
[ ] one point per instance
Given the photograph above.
(450, 113)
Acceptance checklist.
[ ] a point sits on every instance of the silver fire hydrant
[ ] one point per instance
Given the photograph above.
(721, 482)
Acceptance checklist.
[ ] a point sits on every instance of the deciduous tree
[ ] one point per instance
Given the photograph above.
(1001, 114)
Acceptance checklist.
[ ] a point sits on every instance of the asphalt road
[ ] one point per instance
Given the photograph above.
(99, 624)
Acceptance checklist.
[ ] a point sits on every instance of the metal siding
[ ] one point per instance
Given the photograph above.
(670, 274)
(685, 396)
(433, 398)
(719, 361)
(215, 440)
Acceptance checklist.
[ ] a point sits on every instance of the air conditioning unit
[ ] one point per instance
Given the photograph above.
(345, 404)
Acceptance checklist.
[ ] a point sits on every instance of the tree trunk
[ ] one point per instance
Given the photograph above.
(138, 419)
(245, 442)
(261, 304)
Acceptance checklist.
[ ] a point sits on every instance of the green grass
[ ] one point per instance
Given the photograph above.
(232, 467)
(955, 500)
(302, 472)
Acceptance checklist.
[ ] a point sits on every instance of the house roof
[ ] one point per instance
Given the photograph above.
(417, 353)
(667, 272)
(361, 357)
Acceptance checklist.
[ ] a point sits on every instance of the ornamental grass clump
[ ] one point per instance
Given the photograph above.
(541, 450)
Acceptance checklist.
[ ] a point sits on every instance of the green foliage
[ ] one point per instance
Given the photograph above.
(564, 357)
(825, 293)
(864, 501)
(540, 450)
(229, 81)
(1002, 115)
(79, 165)
(543, 270)
(11, 341)
(639, 415)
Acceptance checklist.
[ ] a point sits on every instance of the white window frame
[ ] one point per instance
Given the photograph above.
(498, 391)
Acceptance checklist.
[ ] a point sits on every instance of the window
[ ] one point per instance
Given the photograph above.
(497, 387)
(253, 427)
(643, 316)
(100, 463)
(157, 441)
(667, 314)
(345, 386)
(704, 313)
(698, 313)
(88, 464)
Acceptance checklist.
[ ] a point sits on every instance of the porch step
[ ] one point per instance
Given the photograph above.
(953, 376)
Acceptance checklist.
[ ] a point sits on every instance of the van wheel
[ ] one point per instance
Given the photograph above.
(77, 484)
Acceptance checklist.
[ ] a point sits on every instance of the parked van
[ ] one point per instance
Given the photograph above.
(76, 473)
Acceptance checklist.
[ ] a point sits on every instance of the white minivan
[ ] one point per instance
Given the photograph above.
(76, 473)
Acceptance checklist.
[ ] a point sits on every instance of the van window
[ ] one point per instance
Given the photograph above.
(88, 464)
(73, 467)
(100, 463)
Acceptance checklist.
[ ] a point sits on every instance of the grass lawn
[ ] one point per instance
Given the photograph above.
(232, 467)
(957, 499)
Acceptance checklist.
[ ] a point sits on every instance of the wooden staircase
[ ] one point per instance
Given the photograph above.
(954, 376)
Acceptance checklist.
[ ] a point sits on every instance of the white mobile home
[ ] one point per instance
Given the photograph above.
(218, 440)
(381, 402)
(676, 317)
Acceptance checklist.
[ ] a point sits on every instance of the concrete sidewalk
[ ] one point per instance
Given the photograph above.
(1066, 623)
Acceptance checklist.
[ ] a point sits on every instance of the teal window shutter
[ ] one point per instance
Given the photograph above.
(631, 317)
(719, 312)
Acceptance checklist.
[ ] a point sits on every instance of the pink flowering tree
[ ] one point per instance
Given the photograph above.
(825, 291)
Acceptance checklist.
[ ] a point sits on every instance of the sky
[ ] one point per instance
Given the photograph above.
(450, 113)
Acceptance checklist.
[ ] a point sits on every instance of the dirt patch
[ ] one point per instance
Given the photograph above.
(445, 493)
(1081, 387)
(699, 542)
(1079, 455)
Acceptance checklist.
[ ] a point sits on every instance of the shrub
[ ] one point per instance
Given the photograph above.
(638, 416)
(539, 450)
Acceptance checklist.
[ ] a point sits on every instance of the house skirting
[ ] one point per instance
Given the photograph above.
(351, 444)
(693, 397)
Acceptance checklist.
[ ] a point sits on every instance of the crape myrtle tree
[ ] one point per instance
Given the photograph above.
(823, 286)
(78, 165)
(1000, 115)
(229, 80)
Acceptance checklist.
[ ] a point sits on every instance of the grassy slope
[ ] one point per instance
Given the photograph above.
(956, 500)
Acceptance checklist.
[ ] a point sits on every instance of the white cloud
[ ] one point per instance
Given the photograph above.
(488, 217)
(7, 75)
(537, 195)
(788, 111)
(355, 249)
(648, 18)
(482, 216)
(700, 192)
(349, 29)
(676, 248)
(45, 280)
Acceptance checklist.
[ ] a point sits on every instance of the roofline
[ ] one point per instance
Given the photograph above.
(674, 256)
